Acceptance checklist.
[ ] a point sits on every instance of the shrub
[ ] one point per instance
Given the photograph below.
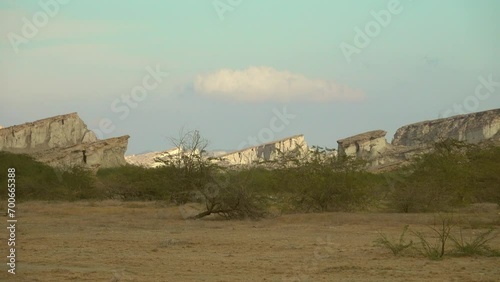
(395, 246)
(436, 181)
(38, 181)
(477, 245)
(436, 250)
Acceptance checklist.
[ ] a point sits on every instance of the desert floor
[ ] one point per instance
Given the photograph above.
(145, 241)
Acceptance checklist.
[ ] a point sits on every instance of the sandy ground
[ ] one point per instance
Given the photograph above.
(138, 241)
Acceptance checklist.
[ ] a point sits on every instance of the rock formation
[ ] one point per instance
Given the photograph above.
(63, 141)
(264, 152)
(418, 138)
(471, 128)
(247, 156)
(370, 145)
(150, 160)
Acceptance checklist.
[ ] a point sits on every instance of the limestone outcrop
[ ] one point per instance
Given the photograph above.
(265, 152)
(418, 138)
(471, 128)
(153, 159)
(63, 141)
(370, 145)
(247, 156)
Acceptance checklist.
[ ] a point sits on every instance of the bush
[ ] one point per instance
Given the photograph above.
(137, 183)
(395, 246)
(322, 182)
(38, 181)
(437, 181)
(477, 245)
(435, 248)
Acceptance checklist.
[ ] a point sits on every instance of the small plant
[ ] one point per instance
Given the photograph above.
(477, 245)
(428, 249)
(436, 251)
(395, 246)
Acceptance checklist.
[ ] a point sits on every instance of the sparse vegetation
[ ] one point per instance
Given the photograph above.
(395, 246)
(434, 247)
(442, 231)
(475, 245)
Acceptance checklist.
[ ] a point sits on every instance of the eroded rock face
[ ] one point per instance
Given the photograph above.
(158, 159)
(63, 141)
(418, 138)
(369, 145)
(471, 128)
(265, 152)
(99, 154)
(54, 132)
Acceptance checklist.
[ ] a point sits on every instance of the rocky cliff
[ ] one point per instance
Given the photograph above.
(63, 141)
(370, 145)
(264, 152)
(471, 128)
(418, 138)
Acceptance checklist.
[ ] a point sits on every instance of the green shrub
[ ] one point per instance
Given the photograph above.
(437, 181)
(475, 245)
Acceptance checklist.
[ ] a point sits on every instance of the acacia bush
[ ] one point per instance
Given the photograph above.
(136, 183)
(485, 168)
(319, 181)
(436, 181)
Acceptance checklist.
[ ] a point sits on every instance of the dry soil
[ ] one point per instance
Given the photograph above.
(146, 241)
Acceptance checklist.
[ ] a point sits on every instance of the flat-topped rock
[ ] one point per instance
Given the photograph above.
(370, 135)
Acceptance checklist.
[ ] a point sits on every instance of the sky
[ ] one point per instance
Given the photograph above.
(245, 72)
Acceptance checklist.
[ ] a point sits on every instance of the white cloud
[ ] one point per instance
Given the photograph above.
(259, 84)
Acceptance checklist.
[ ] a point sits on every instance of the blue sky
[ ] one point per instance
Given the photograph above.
(232, 64)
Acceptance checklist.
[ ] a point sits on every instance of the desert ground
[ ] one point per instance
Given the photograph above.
(149, 241)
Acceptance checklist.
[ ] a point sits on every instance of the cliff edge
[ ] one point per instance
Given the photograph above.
(63, 141)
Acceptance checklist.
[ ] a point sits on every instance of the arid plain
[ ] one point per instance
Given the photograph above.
(148, 241)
